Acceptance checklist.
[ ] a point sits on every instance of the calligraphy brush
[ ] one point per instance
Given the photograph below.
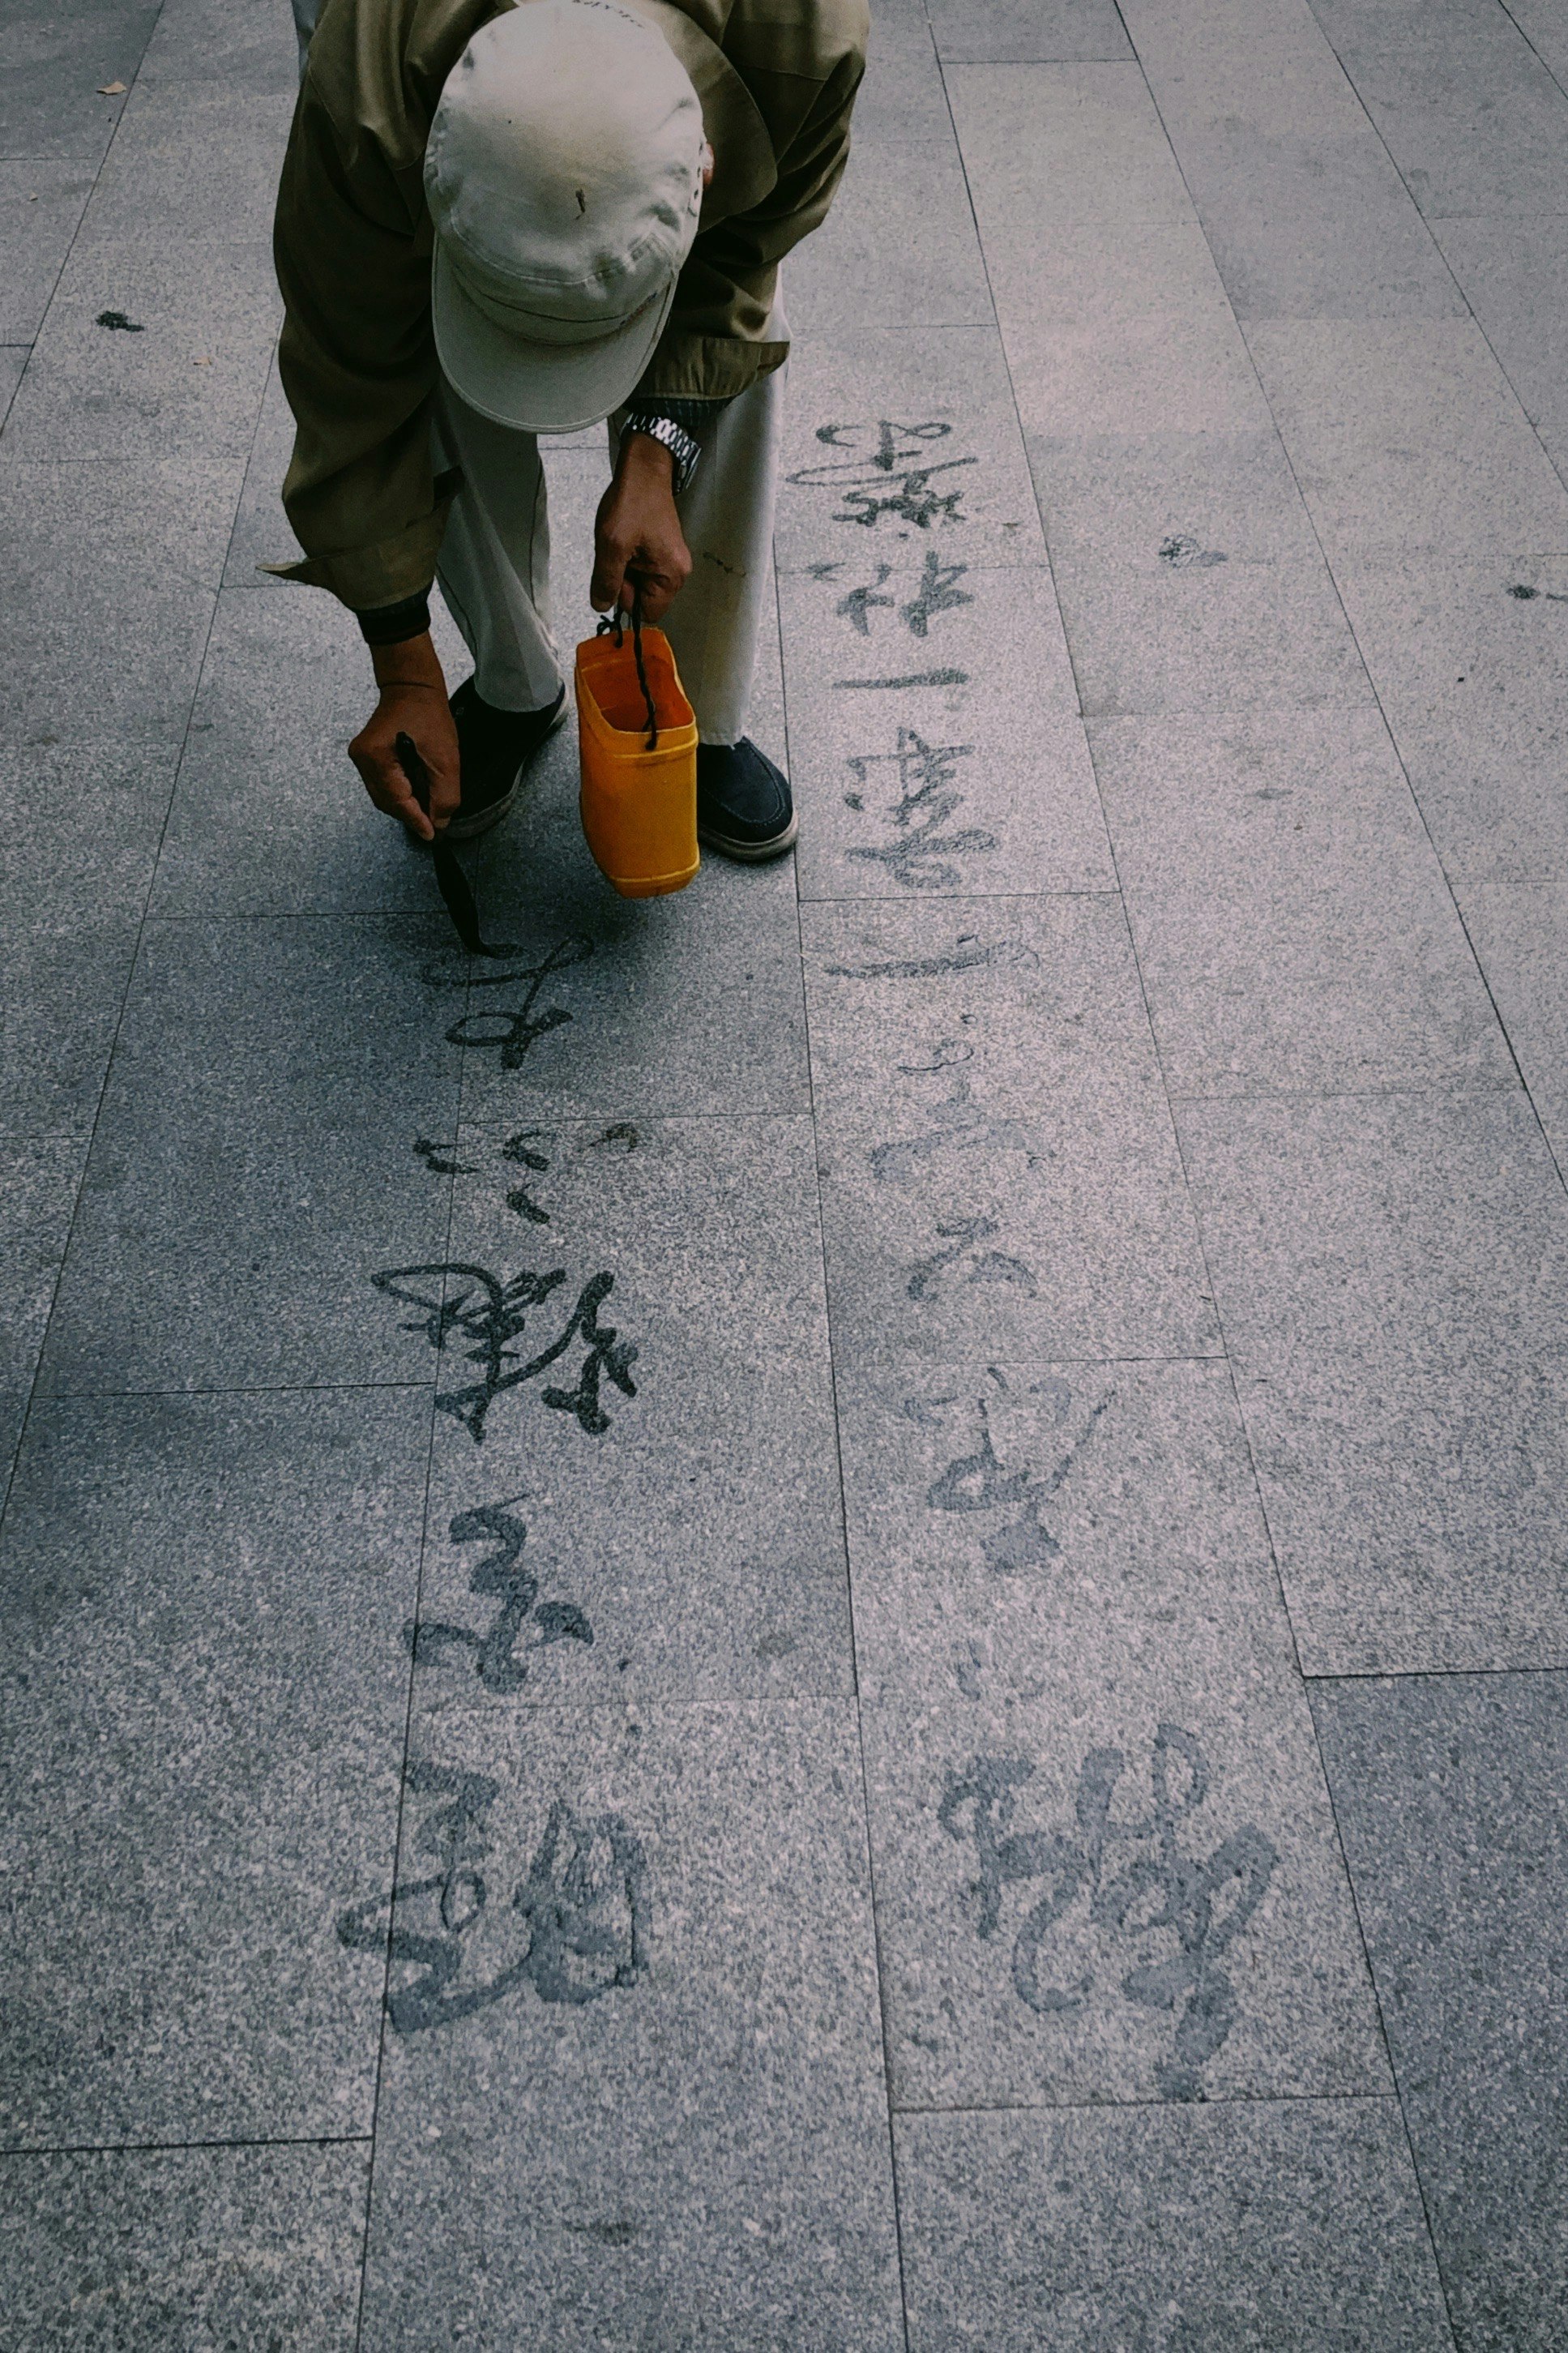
(450, 879)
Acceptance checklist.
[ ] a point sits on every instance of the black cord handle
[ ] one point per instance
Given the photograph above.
(615, 621)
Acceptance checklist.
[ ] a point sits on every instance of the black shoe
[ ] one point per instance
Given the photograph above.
(495, 747)
(743, 804)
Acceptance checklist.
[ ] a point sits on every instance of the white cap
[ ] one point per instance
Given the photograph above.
(564, 180)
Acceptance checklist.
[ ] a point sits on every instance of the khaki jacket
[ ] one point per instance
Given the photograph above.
(353, 240)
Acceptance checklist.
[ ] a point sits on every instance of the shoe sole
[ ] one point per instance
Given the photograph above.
(751, 853)
(469, 829)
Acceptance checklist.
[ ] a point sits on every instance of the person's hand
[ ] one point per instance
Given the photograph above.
(413, 703)
(637, 539)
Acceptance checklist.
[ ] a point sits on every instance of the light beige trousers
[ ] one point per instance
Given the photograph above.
(494, 565)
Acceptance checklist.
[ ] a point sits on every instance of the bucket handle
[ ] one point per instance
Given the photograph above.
(614, 624)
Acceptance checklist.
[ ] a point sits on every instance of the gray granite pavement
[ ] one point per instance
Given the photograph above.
(973, 1750)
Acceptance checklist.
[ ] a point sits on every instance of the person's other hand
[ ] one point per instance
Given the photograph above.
(637, 539)
(413, 703)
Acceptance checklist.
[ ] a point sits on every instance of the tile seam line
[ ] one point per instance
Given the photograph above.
(135, 958)
(877, 1963)
(395, 1860)
(104, 155)
(1169, 2107)
(1425, 1674)
(13, 2150)
(1426, 223)
(1322, 1768)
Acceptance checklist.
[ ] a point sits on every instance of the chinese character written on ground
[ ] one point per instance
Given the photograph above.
(1168, 1915)
(575, 1925)
(499, 1576)
(937, 592)
(513, 1032)
(977, 1482)
(489, 1311)
(964, 1262)
(888, 470)
(918, 853)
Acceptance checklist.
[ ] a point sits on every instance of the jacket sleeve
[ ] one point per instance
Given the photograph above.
(352, 244)
(716, 342)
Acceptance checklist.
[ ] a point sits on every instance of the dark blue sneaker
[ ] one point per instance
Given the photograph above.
(495, 747)
(743, 804)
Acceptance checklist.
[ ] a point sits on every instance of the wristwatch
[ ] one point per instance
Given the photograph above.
(683, 446)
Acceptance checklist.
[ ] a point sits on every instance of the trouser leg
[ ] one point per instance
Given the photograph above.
(727, 514)
(494, 565)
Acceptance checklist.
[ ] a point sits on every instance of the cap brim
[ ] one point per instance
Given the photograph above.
(537, 387)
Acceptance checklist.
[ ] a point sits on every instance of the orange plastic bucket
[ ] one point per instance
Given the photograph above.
(639, 807)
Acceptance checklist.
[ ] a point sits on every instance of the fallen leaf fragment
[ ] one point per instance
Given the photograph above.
(111, 89)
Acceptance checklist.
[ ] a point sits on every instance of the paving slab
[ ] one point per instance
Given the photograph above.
(195, 163)
(1520, 932)
(935, 734)
(945, 471)
(57, 63)
(116, 569)
(1471, 663)
(1016, 32)
(261, 534)
(1475, 124)
(1079, 1696)
(1115, 325)
(217, 1123)
(41, 203)
(181, 378)
(1542, 25)
(38, 1180)
(1514, 274)
(64, 984)
(205, 40)
(653, 2079)
(901, 98)
(1189, 577)
(1294, 928)
(12, 1414)
(1406, 436)
(1452, 1797)
(671, 1478)
(1064, 143)
(898, 249)
(13, 358)
(1297, 2225)
(82, 825)
(998, 1171)
(133, 2251)
(1392, 1272)
(204, 1728)
(1417, 24)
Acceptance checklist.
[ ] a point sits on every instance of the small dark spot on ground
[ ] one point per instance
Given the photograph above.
(119, 322)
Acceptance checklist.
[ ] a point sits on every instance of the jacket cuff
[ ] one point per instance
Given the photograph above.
(389, 571)
(392, 625)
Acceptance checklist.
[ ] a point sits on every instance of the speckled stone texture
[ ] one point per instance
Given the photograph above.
(824, 1617)
(1452, 1798)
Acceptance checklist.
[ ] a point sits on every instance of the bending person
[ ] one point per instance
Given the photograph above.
(494, 226)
